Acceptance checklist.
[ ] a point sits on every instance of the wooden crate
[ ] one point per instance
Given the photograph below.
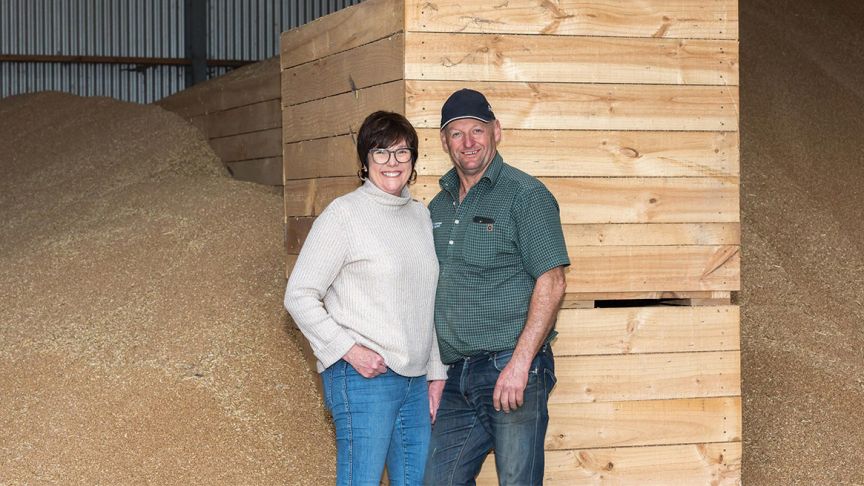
(241, 116)
(628, 112)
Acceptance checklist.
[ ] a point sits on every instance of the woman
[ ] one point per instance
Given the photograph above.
(363, 292)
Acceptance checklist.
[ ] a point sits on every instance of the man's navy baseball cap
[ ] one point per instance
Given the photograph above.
(466, 103)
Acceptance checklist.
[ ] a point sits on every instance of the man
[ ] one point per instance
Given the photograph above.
(502, 256)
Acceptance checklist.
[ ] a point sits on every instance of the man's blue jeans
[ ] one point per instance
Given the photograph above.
(378, 420)
(468, 427)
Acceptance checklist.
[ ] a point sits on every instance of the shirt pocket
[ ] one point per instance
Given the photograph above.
(489, 245)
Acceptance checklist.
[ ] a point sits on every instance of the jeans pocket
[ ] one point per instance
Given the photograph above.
(550, 379)
(501, 358)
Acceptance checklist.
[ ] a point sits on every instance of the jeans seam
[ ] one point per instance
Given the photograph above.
(350, 427)
(461, 451)
(538, 390)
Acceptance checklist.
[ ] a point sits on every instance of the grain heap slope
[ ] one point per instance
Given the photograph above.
(629, 114)
(239, 113)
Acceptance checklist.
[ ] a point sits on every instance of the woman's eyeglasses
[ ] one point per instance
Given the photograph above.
(382, 155)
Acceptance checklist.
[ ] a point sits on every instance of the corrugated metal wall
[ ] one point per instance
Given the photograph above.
(238, 30)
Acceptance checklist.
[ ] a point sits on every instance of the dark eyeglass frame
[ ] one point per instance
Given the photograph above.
(376, 155)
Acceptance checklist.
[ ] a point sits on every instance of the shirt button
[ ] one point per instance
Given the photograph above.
(450, 242)
(457, 221)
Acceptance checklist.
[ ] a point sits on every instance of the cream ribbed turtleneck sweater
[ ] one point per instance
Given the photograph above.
(367, 275)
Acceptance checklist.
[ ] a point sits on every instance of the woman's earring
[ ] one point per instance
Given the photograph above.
(413, 177)
(362, 173)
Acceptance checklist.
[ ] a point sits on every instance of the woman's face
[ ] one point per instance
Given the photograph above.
(392, 176)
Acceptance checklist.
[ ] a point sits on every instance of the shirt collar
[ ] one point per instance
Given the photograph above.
(450, 181)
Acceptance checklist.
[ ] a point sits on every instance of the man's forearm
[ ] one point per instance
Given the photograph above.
(542, 311)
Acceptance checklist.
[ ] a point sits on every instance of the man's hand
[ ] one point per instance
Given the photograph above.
(436, 389)
(367, 362)
(509, 391)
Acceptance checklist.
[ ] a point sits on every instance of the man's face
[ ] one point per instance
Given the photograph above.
(471, 143)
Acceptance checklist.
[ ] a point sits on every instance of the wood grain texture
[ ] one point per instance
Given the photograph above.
(588, 379)
(341, 114)
(632, 200)
(550, 58)
(296, 230)
(342, 30)
(247, 85)
(246, 146)
(705, 234)
(590, 300)
(308, 197)
(640, 423)
(379, 62)
(267, 171)
(244, 119)
(653, 329)
(557, 106)
(717, 464)
(323, 157)
(663, 234)
(576, 153)
(650, 18)
(646, 268)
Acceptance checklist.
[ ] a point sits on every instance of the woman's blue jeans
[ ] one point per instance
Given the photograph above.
(380, 420)
(467, 426)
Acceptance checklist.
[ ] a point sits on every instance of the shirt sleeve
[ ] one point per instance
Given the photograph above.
(322, 257)
(538, 232)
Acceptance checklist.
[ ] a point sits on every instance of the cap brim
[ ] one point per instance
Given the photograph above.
(461, 117)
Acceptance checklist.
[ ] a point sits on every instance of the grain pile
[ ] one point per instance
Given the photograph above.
(802, 193)
(142, 337)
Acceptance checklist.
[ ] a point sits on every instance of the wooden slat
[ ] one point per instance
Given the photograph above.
(244, 119)
(586, 379)
(308, 197)
(340, 114)
(290, 260)
(323, 157)
(651, 18)
(655, 329)
(716, 464)
(601, 153)
(246, 146)
(375, 63)
(296, 230)
(550, 58)
(578, 235)
(266, 171)
(557, 106)
(590, 300)
(640, 268)
(348, 28)
(638, 423)
(250, 84)
(632, 200)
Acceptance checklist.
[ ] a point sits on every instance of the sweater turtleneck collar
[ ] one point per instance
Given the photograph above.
(385, 198)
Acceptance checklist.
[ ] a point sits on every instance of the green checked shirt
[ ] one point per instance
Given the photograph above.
(491, 248)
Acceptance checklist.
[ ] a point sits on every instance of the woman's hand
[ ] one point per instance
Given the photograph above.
(367, 362)
(436, 389)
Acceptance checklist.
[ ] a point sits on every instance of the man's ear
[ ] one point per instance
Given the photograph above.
(497, 131)
(443, 134)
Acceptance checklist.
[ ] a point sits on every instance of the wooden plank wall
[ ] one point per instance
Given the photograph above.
(240, 114)
(628, 112)
(335, 71)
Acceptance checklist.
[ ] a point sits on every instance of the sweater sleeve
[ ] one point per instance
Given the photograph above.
(435, 369)
(322, 257)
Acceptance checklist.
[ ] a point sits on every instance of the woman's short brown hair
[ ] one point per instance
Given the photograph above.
(381, 130)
